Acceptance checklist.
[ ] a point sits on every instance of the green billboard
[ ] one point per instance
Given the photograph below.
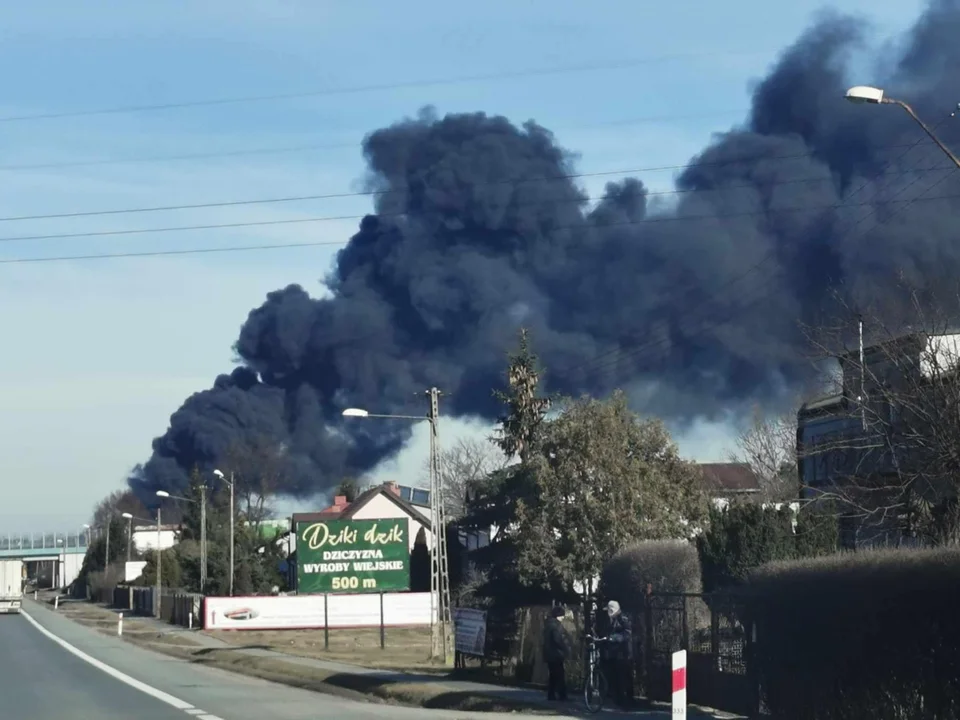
(350, 556)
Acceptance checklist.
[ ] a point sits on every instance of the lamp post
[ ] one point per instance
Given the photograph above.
(439, 567)
(876, 96)
(129, 518)
(160, 494)
(203, 530)
(230, 484)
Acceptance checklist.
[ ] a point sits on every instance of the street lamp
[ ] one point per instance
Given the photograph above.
(203, 530)
(359, 413)
(160, 494)
(129, 518)
(106, 553)
(439, 571)
(875, 96)
(230, 484)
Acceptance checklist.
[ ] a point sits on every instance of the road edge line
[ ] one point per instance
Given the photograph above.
(111, 671)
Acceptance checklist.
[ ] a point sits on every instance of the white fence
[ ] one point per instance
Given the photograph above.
(316, 611)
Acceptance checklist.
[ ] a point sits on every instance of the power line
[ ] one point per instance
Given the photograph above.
(244, 248)
(380, 87)
(325, 146)
(618, 352)
(376, 193)
(330, 218)
(161, 253)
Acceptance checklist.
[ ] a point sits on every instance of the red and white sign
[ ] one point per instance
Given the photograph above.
(310, 611)
(679, 699)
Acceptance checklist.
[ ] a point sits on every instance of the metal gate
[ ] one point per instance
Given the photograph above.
(710, 629)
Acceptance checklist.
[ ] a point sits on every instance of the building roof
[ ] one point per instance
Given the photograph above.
(727, 478)
(347, 510)
(340, 503)
(153, 528)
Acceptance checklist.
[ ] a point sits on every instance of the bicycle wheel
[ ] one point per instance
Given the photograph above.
(595, 692)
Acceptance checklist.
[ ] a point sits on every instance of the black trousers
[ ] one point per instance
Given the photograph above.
(619, 672)
(557, 681)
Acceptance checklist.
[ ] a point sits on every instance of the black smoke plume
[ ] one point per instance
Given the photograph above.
(693, 305)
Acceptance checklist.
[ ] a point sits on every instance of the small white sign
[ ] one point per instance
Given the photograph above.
(470, 631)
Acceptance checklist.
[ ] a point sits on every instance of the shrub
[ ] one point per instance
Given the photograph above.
(171, 573)
(670, 566)
(818, 531)
(102, 582)
(743, 537)
(872, 634)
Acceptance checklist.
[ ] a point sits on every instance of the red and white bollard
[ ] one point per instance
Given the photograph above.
(679, 699)
(120, 624)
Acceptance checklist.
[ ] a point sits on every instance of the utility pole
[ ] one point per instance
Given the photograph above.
(229, 482)
(203, 538)
(232, 518)
(441, 625)
(106, 550)
(159, 554)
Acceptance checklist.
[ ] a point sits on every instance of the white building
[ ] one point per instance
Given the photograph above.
(145, 537)
(382, 501)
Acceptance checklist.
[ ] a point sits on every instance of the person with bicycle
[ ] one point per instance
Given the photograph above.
(555, 653)
(618, 655)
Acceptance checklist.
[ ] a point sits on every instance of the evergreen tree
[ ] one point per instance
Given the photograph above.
(493, 502)
(604, 478)
(743, 536)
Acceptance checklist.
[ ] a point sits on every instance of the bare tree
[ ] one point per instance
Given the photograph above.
(893, 450)
(769, 447)
(117, 503)
(463, 465)
(259, 467)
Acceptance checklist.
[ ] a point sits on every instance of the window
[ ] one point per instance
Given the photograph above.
(420, 497)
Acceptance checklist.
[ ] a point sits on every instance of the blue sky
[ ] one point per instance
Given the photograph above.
(98, 354)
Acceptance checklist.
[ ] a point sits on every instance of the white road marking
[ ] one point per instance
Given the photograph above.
(195, 711)
(116, 674)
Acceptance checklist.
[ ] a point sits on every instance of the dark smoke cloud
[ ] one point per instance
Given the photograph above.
(468, 243)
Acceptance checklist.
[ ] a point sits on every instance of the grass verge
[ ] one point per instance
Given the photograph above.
(405, 649)
(294, 674)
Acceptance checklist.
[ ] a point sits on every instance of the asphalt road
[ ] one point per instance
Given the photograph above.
(43, 680)
(38, 679)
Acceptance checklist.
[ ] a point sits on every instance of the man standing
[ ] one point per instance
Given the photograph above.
(619, 647)
(555, 652)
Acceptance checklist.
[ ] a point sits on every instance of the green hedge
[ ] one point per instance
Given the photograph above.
(861, 635)
(745, 536)
(668, 565)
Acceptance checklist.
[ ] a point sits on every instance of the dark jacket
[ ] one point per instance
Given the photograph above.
(555, 647)
(620, 638)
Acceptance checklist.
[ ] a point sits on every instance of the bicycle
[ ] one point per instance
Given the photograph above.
(595, 682)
